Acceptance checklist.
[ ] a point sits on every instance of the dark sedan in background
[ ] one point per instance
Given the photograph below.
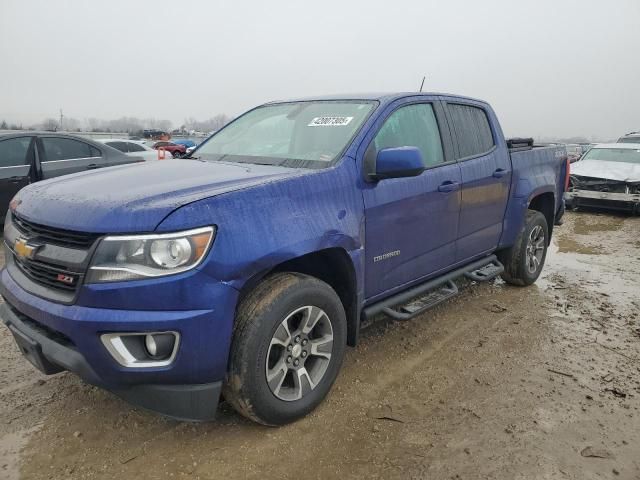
(27, 157)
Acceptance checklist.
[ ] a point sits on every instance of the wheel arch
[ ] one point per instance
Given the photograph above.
(333, 266)
(545, 203)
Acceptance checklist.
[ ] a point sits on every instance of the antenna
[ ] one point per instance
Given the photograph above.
(422, 84)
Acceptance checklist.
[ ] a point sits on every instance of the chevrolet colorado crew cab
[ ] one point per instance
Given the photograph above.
(245, 270)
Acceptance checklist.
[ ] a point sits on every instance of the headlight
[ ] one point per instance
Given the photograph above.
(134, 257)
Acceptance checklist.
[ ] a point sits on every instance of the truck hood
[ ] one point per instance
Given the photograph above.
(135, 197)
(619, 171)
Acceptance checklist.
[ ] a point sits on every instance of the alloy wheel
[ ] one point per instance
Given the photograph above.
(299, 353)
(535, 249)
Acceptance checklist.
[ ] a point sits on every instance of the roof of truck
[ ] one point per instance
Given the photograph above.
(379, 96)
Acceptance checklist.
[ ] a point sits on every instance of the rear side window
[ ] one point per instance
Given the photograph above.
(122, 146)
(57, 148)
(13, 152)
(134, 147)
(472, 130)
(413, 126)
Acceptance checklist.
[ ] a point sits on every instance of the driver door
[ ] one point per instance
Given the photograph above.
(412, 222)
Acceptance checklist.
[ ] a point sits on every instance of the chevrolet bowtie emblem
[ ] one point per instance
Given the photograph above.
(23, 249)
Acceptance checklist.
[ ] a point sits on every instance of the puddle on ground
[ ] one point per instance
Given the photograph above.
(570, 245)
(597, 268)
(586, 224)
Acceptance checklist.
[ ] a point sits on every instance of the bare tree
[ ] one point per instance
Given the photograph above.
(219, 121)
(213, 123)
(72, 124)
(50, 124)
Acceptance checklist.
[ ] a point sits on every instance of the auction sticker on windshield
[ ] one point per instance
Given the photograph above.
(330, 121)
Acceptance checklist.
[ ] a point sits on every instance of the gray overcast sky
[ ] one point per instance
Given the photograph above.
(550, 68)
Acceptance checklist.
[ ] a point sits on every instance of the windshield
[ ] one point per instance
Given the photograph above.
(627, 155)
(298, 134)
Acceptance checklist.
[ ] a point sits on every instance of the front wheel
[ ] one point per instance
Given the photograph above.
(523, 262)
(288, 344)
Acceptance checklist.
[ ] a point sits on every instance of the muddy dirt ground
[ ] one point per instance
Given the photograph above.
(501, 382)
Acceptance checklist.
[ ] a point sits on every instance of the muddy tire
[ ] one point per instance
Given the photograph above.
(288, 345)
(523, 262)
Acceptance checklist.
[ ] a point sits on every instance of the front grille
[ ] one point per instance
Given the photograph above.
(55, 236)
(602, 185)
(599, 203)
(49, 275)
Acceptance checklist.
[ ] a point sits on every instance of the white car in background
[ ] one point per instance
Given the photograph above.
(133, 148)
(607, 176)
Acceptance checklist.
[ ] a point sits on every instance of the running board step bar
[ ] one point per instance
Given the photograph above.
(486, 273)
(424, 303)
(411, 303)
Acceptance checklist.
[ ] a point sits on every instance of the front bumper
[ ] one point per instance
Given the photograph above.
(67, 337)
(629, 202)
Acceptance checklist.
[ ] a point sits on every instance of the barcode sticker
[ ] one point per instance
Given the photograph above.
(330, 121)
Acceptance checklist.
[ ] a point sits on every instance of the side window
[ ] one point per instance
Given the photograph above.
(94, 151)
(413, 126)
(122, 146)
(13, 152)
(472, 130)
(58, 148)
(134, 147)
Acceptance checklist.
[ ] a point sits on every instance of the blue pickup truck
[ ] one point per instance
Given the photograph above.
(245, 270)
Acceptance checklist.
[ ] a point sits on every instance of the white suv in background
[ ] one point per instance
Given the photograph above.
(132, 148)
(633, 137)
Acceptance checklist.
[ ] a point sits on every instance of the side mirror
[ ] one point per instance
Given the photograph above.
(398, 162)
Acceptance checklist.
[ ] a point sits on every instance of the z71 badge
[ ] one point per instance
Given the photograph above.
(68, 279)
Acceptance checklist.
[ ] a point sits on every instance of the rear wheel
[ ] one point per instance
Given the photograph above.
(523, 262)
(288, 344)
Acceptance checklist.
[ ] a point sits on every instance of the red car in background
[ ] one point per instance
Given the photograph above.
(174, 149)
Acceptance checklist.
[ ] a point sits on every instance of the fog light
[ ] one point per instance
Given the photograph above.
(141, 349)
(159, 345)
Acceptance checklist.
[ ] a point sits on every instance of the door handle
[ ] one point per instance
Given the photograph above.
(499, 173)
(16, 179)
(93, 166)
(449, 186)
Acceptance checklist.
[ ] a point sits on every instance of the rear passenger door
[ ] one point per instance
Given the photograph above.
(486, 177)
(63, 155)
(16, 163)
